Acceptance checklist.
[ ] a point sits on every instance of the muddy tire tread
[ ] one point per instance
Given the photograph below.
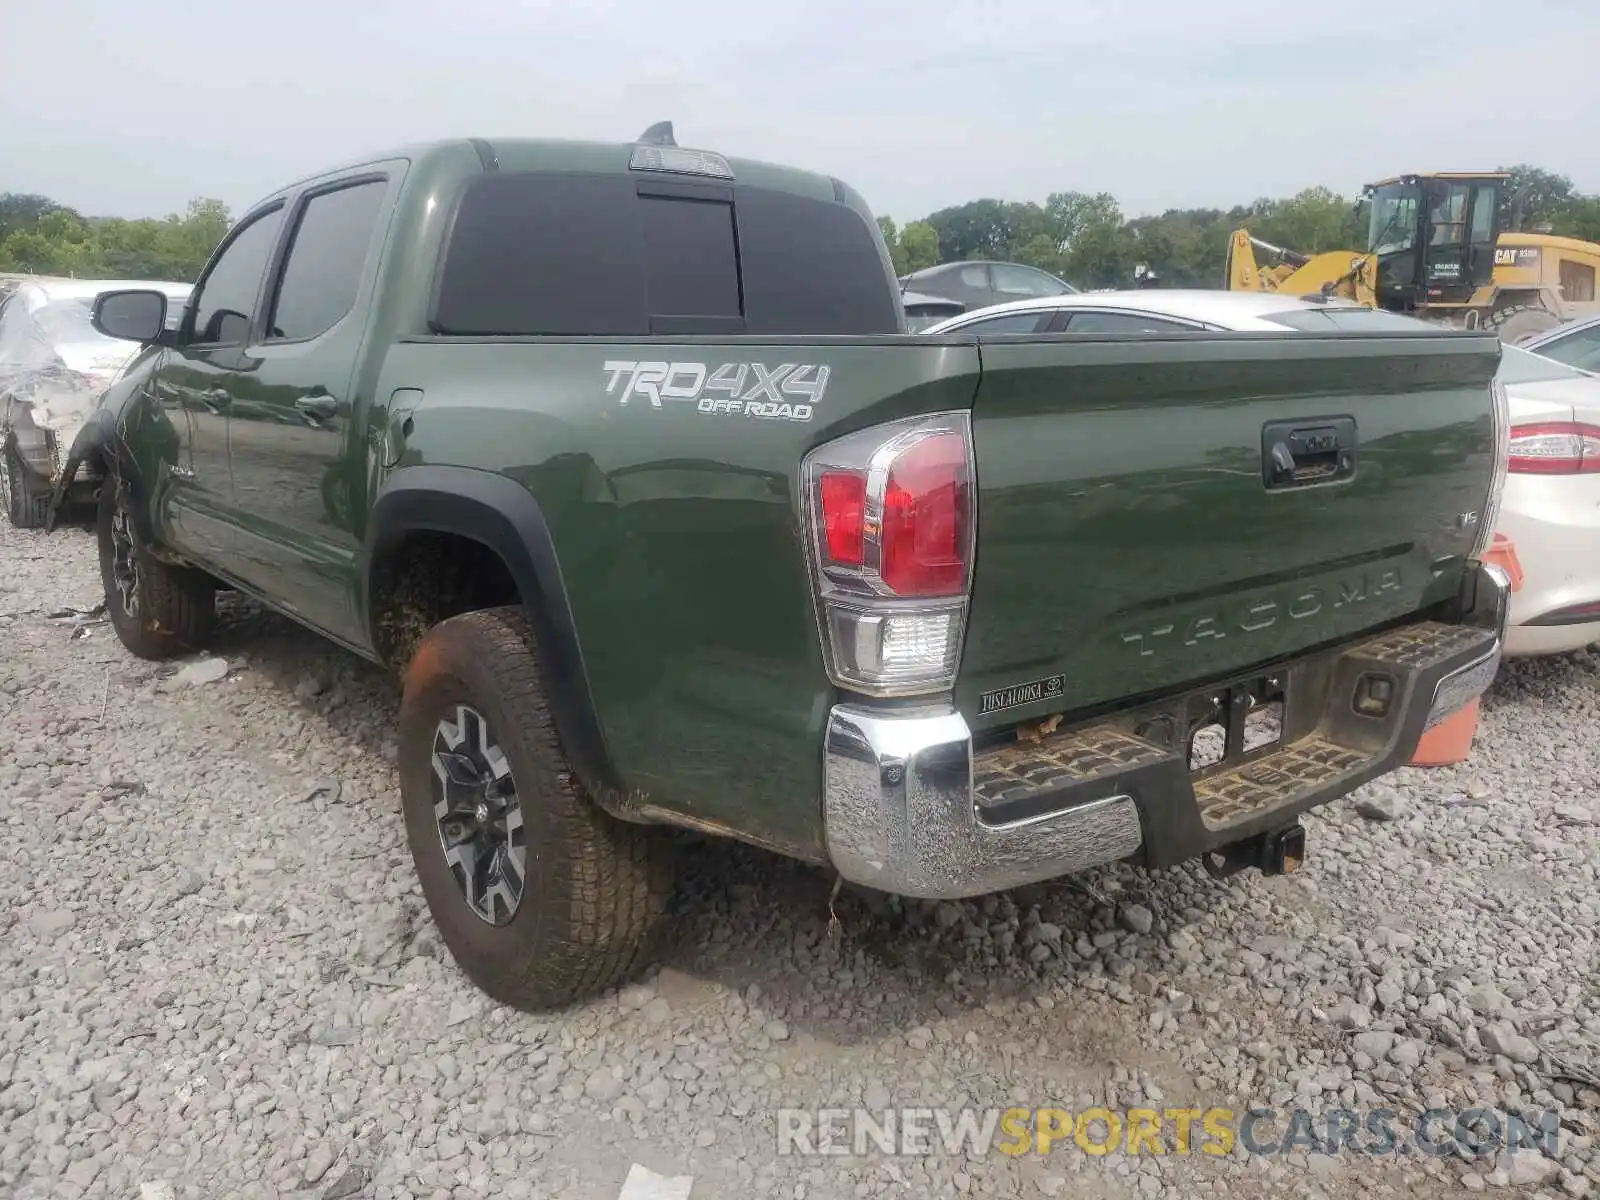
(177, 605)
(602, 889)
(26, 507)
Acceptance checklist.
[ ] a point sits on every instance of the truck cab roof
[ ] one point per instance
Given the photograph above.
(520, 154)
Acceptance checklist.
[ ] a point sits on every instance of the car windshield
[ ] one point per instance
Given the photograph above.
(64, 321)
(1393, 219)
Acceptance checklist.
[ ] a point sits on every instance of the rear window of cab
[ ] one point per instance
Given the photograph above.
(559, 254)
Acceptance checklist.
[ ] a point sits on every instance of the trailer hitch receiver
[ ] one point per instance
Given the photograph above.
(1276, 852)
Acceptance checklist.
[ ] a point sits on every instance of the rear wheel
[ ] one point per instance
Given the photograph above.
(541, 897)
(1517, 321)
(27, 498)
(158, 609)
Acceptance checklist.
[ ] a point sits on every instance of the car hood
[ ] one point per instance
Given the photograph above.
(61, 401)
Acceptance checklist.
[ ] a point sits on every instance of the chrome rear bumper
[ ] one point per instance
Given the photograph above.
(902, 814)
(901, 818)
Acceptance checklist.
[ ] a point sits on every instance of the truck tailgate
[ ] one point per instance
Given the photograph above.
(1159, 511)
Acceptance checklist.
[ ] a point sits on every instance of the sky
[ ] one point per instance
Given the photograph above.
(134, 107)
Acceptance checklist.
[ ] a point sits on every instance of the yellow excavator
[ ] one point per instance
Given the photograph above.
(1436, 248)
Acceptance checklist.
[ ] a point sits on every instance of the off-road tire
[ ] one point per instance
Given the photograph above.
(175, 608)
(1517, 321)
(595, 889)
(27, 499)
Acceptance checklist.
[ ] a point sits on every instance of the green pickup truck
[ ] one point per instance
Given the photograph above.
(621, 456)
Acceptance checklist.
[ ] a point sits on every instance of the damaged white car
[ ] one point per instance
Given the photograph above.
(54, 366)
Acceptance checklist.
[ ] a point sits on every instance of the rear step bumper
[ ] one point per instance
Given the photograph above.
(912, 807)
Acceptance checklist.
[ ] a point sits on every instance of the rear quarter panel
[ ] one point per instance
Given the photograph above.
(678, 537)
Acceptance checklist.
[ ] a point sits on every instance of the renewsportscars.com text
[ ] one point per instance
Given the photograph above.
(1472, 1132)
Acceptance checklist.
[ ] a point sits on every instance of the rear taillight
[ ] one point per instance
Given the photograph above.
(890, 514)
(844, 510)
(1554, 448)
(926, 508)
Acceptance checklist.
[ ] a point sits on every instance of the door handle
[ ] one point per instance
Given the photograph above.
(317, 409)
(1307, 453)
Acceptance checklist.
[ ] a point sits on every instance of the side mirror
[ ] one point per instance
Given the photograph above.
(132, 315)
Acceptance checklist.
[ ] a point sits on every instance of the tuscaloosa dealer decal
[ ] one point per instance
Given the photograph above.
(786, 392)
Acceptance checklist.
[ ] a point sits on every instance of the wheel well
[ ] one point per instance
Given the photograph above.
(426, 576)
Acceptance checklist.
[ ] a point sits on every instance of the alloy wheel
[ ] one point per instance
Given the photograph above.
(480, 815)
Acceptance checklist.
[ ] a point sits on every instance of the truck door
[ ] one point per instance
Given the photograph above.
(1483, 226)
(295, 428)
(192, 494)
(1445, 256)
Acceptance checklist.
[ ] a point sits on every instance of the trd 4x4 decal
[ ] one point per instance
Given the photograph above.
(786, 392)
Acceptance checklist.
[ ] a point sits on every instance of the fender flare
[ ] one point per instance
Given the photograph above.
(500, 514)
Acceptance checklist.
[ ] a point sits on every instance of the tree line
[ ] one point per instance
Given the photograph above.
(40, 237)
(1082, 237)
(1086, 238)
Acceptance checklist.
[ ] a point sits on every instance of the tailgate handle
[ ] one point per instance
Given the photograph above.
(1298, 454)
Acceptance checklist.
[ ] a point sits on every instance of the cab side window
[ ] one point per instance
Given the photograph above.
(1483, 216)
(225, 301)
(327, 256)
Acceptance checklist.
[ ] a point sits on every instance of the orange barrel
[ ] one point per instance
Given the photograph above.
(1503, 553)
(1450, 741)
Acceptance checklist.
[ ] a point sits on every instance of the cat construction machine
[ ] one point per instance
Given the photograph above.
(1439, 247)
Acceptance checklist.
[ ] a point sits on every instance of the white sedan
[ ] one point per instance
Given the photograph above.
(1551, 504)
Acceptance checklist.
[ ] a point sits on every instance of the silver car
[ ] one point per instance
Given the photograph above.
(1576, 343)
(1171, 311)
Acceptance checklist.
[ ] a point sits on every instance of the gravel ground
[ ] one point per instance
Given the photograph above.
(219, 979)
